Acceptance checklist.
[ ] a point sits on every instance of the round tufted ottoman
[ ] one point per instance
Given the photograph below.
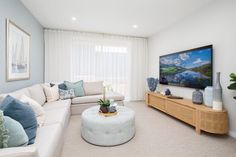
(108, 131)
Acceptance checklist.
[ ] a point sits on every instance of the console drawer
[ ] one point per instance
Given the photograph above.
(156, 102)
(183, 113)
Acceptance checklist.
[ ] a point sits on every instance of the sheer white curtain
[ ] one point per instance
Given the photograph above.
(117, 60)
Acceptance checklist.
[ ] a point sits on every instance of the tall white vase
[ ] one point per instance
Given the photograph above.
(208, 96)
(217, 94)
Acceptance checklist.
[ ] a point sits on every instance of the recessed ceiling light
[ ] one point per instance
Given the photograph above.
(135, 26)
(73, 18)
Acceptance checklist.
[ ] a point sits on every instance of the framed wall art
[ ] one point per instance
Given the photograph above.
(17, 52)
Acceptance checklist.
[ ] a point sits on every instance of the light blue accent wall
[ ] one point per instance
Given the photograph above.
(16, 12)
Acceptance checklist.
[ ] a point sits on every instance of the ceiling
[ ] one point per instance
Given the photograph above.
(113, 16)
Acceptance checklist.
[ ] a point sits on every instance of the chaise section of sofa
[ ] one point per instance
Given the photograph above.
(50, 136)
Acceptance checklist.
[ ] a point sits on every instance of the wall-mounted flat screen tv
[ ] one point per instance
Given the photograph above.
(190, 68)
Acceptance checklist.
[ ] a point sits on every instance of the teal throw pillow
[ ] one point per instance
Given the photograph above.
(77, 86)
(4, 137)
(15, 132)
(22, 113)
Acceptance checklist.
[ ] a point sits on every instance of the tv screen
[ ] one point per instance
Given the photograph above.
(190, 68)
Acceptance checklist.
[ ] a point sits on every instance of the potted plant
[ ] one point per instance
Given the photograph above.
(232, 86)
(104, 105)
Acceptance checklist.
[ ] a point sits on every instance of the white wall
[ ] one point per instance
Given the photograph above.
(215, 24)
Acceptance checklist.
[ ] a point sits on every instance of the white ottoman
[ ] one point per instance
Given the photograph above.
(108, 131)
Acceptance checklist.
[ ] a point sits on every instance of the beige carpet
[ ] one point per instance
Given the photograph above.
(157, 135)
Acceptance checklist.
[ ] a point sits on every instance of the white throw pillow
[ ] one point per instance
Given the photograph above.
(52, 93)
(93, 88)
(38, 109)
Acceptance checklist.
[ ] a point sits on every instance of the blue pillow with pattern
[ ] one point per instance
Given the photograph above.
(66, 94)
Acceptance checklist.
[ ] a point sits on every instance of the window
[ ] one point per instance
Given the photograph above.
(93, 62)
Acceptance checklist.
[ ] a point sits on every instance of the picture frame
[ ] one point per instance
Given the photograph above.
(17, 52)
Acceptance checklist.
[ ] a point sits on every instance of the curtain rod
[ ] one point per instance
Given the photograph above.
(67, 30)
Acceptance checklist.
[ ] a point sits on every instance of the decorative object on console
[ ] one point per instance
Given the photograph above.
(167, 92)
(232, 86)
(174, 97)
(197, 97)
(217, 94)
(152, 83)
(18, 53)
(208, 96)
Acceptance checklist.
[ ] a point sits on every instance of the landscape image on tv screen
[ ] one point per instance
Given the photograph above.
(192, 68)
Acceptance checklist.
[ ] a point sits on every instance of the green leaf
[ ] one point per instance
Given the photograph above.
(232, 86)
(233, 80)
(232, 75)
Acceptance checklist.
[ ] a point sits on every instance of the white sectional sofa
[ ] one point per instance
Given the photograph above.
(50, 136)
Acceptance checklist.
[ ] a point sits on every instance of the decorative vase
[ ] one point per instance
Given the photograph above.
(104, 109)
(197, 97)
(152, 83)
(217, 94)
(167, 92)
(208, 96)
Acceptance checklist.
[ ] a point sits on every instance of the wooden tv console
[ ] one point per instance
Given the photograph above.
(199, 116)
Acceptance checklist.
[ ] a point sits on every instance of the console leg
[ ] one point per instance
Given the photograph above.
(198, 131)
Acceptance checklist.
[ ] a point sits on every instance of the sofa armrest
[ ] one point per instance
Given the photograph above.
(29, 151)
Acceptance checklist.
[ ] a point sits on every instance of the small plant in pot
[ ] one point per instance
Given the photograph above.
(232, 86)
(104, 105)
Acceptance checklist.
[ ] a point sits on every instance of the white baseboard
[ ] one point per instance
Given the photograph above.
(232, 134)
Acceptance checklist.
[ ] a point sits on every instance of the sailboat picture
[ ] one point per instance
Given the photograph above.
(18, 48)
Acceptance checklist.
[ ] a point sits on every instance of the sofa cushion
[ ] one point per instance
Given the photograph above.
(95, 98)
(22, 113)
(20, 92)
(48, 139)
(57, 104)
(37, 94)
(16, 94)
(77, 86)
(57, 115)
(29, 151)
(93, 88)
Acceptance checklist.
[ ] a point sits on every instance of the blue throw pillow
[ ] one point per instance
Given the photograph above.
(62, 86)
(52, 84)
(22, 113)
